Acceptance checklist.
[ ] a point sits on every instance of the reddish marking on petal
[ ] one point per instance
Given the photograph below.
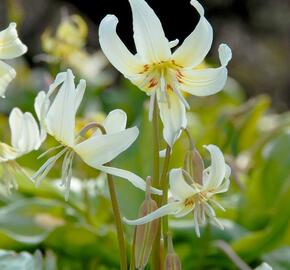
(146, 67)
(152, 83)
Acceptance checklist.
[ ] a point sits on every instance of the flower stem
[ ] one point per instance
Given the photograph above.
(156, 253)
(114, 200)
(164, 185)
(118, 223)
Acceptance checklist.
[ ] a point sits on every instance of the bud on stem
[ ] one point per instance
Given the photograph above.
(146, 233)
(172, 261)
(193, 163)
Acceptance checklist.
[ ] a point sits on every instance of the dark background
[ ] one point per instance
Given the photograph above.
(257, 31)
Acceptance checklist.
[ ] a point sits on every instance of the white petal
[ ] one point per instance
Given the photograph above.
(115, 50)
(186, 210)
(80, 90)
(100, 149)
(151, 44)
(7, 152)
(225, 54)
(217, 169)
(10, 45)
(196, 46)
(32, 132)
(179, 187)
(115, 121)
(41, 103)
(203, 82)
(168, 209)
(60, 118)
(16, 126)
(264, 266)
(7, 74)
(173, 116)
(25, 135)
(134, 179)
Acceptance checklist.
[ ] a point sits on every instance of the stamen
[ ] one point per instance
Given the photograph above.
(49, 151)
(69, 176)
(196, 224)
(65, 166)
(151, 105)
(46, 167)
(181, 97)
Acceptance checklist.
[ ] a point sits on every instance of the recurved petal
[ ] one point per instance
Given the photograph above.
(115, 50)
(196, 46)
(80, 90)
(10, 45)
(115, 121)
(217, 170)
(151, 44)
(100, 149)
(168, 209)
(7, 74)
(205, 82)
(173, 116)
(134, 179)
(60, 118)
(41, 105)
(179, 187)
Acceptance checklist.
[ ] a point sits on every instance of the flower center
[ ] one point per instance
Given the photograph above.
(160, 75)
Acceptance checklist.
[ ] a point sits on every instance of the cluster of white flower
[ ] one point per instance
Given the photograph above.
(155, 69)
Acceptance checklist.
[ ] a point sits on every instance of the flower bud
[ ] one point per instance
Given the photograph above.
(172, 261)
(146, 233)
(193, 164)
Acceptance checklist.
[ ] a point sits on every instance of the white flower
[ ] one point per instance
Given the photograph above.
(57, 117)
(25, 137)
(158, 71)
(10, 47)
(189, 196)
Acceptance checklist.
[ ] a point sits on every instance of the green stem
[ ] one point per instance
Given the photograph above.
(156, 260)
(118, 223)
(164, 185)
(114, 200)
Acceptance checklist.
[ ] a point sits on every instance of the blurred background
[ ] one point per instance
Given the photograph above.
(249, 120)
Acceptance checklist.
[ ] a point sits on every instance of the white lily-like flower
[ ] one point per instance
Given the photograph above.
(189, 196)
(158, 71)
(25, 137)
(10, 47)
(57, 117)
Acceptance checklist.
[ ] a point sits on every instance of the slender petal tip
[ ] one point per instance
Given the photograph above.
(225, 54)
(198, 7)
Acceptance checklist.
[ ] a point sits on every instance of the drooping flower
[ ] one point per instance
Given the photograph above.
(190, 196)
(10, 47)
(25, 137)
(161, 73)
(57, 110)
